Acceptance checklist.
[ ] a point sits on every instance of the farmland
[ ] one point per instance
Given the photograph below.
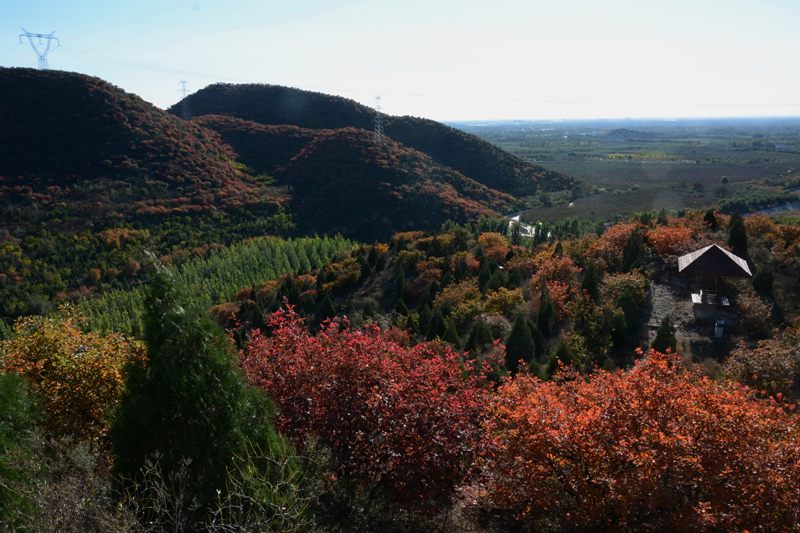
(627, 166)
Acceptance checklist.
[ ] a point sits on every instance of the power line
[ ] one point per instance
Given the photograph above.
(157, 68)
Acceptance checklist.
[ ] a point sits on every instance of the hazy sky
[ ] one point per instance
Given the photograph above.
(440, 59)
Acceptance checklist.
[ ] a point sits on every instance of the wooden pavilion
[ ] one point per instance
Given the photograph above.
(717, 262)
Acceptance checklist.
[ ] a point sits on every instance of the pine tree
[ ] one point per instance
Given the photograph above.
(368, 312)
(188, 400)
(519, 345)
(479, 336)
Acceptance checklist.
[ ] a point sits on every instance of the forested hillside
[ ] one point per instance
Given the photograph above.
(465, 153)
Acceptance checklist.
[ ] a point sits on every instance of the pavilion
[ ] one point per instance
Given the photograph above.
(713, 261)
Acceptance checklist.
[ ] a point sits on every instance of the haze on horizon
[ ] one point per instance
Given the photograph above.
(446, 60)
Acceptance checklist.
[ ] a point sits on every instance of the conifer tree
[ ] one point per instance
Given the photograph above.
(401, 307)
(632, 253)
(546, 313)
(737, 237)
(711, 219)
(327, 310)
(188, 401)
(451, 335)
(368, 312)
(479, 336)
(591, 283)
(665, 336)
(519, 345)
(764, 280)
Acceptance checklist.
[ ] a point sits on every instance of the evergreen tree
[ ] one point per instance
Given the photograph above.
(17, 417)
(479, 336)
(764, 280)
(711, 219)
(451, 335)
(536, 335)
(496, 281)
(350, 309)
(519, 345)
(737, 237)
(633, 253)
(400, 283)
(591, 283)
(366, 270)
(665, 336)
(628, 305)
(561, 354)
(368, 312)
(619, 328)
(188, 401)
(436, 326)
(662, 219)
(372, 258)
(547, 312)
(514, 279)
(484, 274)
(401, 307)
(327, 310)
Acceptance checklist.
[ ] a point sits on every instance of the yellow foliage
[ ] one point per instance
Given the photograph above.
(76, 375)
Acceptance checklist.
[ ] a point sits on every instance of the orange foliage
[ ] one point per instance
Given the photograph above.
(608, 248)
(492, 239)
(669, 240)
(655, 448)
(497, 253)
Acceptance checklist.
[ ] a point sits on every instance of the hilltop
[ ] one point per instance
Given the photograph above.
(447, 146)
(341, 181)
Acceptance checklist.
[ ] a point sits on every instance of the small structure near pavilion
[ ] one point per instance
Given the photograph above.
(713, 261)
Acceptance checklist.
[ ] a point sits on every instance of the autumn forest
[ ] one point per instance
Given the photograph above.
(268, 318)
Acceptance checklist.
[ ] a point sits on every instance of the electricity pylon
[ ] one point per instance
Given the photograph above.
(41, 55)
(378, 123)
(185, 113)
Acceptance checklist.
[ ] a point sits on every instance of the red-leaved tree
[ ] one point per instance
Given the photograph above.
(654, 448)
(403, 420)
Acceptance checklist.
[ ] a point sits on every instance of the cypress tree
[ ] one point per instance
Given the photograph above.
(737, 237)
(711, 219)
(350, 309)
(561, 354)
(368, 312)
(591, 283)
(479, 335)
(436, 326)
(327, 310)
(547, 312)
(536, 335)
(632, 253)
(188, 400)
(366, 270)
(519, 345)
(484, 275)
(631, 310)
(372, 258)
(400, 282)
(451, 335)
(401, 307)
(763, 280)
(665, 336)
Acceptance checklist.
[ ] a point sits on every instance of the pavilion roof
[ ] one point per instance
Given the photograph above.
(714, 261)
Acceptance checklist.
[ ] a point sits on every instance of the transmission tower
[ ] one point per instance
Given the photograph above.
(379, 140)
(185, 113)
(41, 55)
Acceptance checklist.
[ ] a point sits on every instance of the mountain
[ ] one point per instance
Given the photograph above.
(341, 181)
(464, 153)
(71, 139)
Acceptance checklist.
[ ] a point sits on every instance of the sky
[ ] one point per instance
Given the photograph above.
(447, 60)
